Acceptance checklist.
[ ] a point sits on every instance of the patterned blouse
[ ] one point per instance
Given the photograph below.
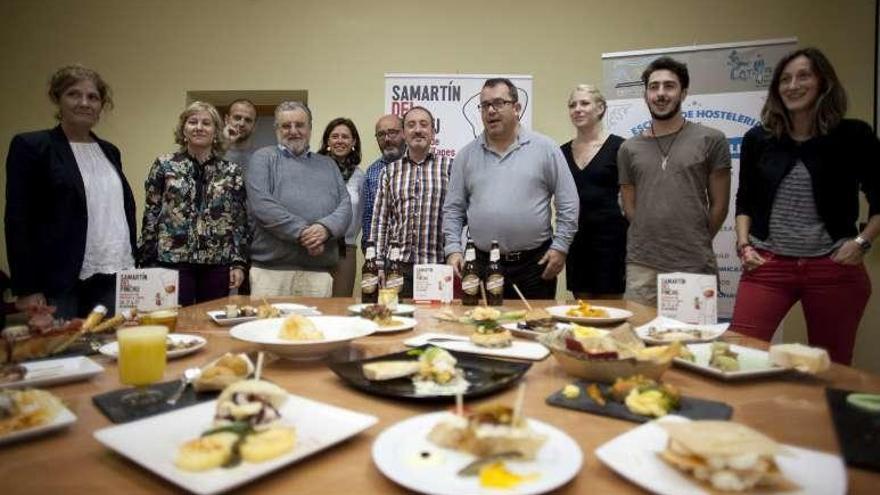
(194, 213)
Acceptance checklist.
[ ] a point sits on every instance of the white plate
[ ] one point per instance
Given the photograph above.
(64, 419)
(337, 330)
(219, 316)
(153, 442)
(752, 362)
(615, 315)
(112, 349)
(402, 309)
(397, 450)
(530, 334)
(709, 332)
(55, 371)
(405, 324)
(633, 455)
(531, 351)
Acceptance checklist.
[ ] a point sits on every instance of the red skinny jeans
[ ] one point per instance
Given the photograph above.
(833, 296)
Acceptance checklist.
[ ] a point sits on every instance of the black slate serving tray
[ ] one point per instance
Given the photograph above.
(690, 407)
(858, 431)
(486, 376)
(111, 405)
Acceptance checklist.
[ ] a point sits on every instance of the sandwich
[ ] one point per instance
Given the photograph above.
(488, 332)
(490, 429)
(224, 371)
(537, 320)
(44, 335)
(247, 427)
(255, 402)
(803, 358)
(724, 455)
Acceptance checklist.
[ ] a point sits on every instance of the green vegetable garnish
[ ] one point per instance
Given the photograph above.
(240, 428)
(865, 402)
(414, 352)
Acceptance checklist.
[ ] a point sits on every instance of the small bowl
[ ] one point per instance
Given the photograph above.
(600, 370)
(338, 332)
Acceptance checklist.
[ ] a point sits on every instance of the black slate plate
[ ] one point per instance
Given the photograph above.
(690, 407)
(858, 431)
(111, 405)
(486, 376)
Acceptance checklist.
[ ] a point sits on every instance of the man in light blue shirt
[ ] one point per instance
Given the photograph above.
(502, 186)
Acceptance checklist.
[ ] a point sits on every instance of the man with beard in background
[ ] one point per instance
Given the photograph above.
(675, 185)
(300, 207)
(389, 137)
(240, 121)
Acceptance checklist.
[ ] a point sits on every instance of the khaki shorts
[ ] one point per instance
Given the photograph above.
(266, 283)
(641, 284)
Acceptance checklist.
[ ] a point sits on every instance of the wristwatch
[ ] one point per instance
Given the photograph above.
(863, 243)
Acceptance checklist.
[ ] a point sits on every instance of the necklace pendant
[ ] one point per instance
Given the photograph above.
(663, 162)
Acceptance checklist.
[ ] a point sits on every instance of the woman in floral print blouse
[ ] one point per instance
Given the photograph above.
(195, 219)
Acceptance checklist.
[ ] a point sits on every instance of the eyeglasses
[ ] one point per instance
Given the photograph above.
(390, 134)
(496, 105)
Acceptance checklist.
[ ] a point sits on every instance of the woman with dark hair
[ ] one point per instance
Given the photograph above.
(596, 262)
(70, 213)
(195, 217)
(342, 142)
(797, 208)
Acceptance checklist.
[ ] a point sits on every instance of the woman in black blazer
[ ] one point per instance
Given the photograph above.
(70, 213)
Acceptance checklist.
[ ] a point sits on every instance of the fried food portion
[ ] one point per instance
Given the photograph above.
(208, 452)
(269, 444)
(299, 327)
(586, 310)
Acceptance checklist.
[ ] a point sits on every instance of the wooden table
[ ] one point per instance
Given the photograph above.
(791, 408)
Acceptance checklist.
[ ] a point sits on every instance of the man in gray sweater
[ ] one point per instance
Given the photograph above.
(300, 207)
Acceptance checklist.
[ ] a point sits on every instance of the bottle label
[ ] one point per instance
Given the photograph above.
(495, 255)
(395, 254)
(470, 255)
(393, 282)
(495, 283)
(369, 283)
(470, 284)
(371, 253)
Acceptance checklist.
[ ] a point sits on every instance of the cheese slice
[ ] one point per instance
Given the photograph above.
(800, 357)
(389, 370)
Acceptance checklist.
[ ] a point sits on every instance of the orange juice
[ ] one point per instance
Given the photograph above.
(164, 317)
(141, 354)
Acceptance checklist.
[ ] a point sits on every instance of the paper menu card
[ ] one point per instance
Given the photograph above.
(688, 297)
(146, 289)
(432, 283)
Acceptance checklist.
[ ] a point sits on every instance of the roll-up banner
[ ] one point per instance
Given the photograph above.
(452, 99)
(728, 86)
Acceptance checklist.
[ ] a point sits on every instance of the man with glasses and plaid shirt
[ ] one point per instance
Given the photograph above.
(389, 137)
(501, 186)
(409, 199)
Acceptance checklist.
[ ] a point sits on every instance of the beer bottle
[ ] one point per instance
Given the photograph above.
(370, 276)
(393, 274)
(494, 277)
(470, 278)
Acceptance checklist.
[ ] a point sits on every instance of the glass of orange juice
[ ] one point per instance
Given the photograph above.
(141, 362)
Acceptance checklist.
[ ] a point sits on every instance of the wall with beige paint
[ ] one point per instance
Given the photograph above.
(153, 52)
